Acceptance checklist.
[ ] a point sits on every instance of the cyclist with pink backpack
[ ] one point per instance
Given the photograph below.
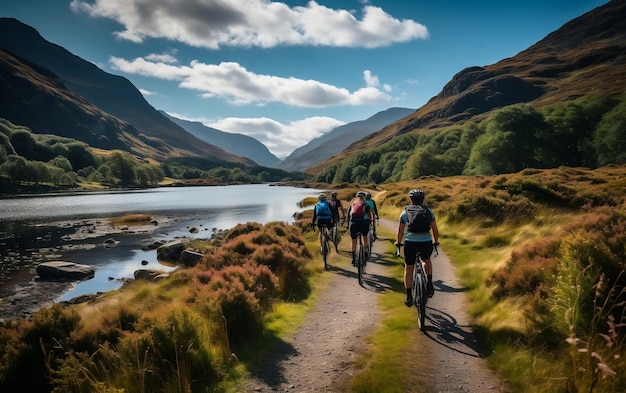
(360, 215)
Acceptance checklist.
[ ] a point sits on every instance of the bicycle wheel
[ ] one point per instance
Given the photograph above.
(370, 240)
(325, 249)
(420, 302)
(359, 263)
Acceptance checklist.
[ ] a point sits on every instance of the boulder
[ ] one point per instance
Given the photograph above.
(171, 251)
(63, 269)
(149, 275)
(190, 258)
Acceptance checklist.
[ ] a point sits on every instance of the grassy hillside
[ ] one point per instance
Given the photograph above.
(589, 131)
(584, 59)
(540, 252)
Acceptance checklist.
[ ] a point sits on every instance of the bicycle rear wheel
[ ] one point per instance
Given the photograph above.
(360, 263)
(325, 249)
(336, 238)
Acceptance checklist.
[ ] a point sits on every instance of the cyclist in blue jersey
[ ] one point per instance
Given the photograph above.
(415, 242)
(322, 213)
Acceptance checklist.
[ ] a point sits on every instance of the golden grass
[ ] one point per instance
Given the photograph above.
(132, 219)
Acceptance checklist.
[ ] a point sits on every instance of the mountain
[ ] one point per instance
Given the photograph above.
(239, 144)
(586, 56)
(82, 101)
(335, 141)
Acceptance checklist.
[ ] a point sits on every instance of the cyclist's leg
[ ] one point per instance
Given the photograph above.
(353, 235)
(410, 251)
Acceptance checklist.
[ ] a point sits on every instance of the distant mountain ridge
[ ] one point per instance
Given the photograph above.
(141, 130)
(335, 141)
(586, 56)
(239, 144)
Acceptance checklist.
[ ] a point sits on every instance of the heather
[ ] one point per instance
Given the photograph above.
(541, 254)
(179, 334)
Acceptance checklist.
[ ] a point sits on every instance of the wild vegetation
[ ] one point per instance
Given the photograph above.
(540, 252)
(40, 162)
(171, 336)
(588, 131)
(542, 256)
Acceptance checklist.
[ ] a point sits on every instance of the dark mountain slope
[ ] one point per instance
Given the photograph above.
(110, 93)
(241, 145)
(586, 56)
(33, 96)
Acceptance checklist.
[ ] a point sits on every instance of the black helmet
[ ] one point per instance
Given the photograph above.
(333, 194)
(416, 195)
(322, 197)
(361, 194)
(368, 195)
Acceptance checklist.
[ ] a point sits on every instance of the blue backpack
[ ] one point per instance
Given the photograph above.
(322, 209)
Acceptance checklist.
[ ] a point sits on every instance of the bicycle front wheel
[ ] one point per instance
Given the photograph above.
(420, 301)
(325, 249)
(360, 263)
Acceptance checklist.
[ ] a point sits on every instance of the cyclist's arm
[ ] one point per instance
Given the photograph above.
(433, 226)
(314, 215)
(400, 233)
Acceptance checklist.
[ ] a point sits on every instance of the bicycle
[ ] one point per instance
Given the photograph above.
(324, 246)
(418, 289)
(360, 259)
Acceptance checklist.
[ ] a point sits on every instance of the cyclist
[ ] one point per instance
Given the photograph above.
(415, 242)
(335, 204)
(322, 213)
(372, 205)
(359, 215)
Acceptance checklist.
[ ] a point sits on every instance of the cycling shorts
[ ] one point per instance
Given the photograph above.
(425, 249)
(325, 222)
(359, 226)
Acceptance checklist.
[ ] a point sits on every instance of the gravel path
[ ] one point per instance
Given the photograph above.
(319, 357)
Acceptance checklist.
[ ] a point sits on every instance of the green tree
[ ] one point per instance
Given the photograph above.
(15, 168)
(517, 137)
(61, 162)
(359, 174)
(122, 165)
(610, 136)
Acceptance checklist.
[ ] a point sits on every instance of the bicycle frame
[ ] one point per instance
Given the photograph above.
(418, 289)
(360, 259)
(324, 246)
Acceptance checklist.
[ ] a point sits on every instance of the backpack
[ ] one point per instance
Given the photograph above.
(323, 209)
(419, 218)
(358, 209)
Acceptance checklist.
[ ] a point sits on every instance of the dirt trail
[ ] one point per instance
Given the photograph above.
(320, 355)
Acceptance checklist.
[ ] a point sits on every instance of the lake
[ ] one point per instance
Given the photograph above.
(28, 224)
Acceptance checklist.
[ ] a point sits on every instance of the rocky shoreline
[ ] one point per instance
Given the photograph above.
(23, 292)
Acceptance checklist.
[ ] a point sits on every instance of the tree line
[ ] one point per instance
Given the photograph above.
(588, 132)
(29, 160)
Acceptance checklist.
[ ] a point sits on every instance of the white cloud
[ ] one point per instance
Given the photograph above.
(146, 92)
(233, 82)
(245, 23)
(281, 139)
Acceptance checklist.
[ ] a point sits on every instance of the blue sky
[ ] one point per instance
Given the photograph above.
(287, 72)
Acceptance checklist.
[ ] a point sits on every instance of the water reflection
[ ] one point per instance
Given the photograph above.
(32, 228)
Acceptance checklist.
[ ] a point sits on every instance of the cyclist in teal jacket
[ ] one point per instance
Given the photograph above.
(372, 204)
(415, 242)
